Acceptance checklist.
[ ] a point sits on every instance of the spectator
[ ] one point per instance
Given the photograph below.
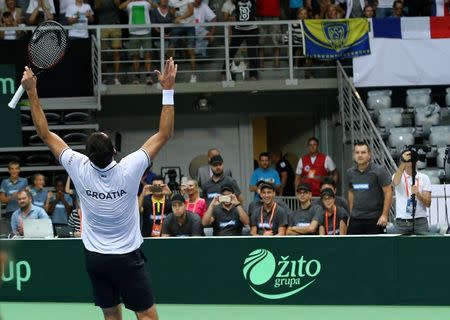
(204, 173)
(286, 173)
(16, 12)
(333, 12)
(204, 37)
(161, 15)
(10, 188)
(328, 183)
(39, 11)
(334, 218)
(26, 210)
(264, 173)
(78, 15)
(183, 10)
(181, 222)
(60, 205)
(227, 10)
(245, 12)
(294, 7)
(147, 178)
(108, 13)
(225, 213)
(404, 189)
(75, 219)
(139, 14)
(269, 10)
(369, 193)
(7, 20)
(355, 8)
(194, 203)
(212, 187)
(63, 5)
(314, 166)
(306, 219)
(154, 203)
(368, 12)
(384, 8)
(256, 204)
(41, 197)
(270, 219)
(398, 9)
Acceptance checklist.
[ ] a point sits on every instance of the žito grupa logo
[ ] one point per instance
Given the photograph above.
(279, 278)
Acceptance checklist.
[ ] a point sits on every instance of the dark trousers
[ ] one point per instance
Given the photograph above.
(364, 226)
(250, 36)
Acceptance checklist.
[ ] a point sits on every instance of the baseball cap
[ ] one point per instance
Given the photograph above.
(304, 186)
(327, 192)
(216, 159)
(177, 198)
(266, 185)
(227, 187)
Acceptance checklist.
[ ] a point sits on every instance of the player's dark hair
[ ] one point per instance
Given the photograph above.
(100, 149)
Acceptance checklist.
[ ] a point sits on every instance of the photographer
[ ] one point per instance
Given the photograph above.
(154, 204)
(225, 214)
(402, 182)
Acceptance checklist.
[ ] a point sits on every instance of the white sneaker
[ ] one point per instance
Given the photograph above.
(193, 79)
(116, 81)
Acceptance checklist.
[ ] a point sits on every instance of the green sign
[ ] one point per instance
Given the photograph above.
(248, 270)
(11, 128)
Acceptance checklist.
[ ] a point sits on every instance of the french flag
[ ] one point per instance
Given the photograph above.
(412, 28)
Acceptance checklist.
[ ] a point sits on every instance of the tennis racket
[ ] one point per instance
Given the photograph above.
(46, 48)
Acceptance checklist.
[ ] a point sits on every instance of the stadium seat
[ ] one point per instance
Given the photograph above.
(398, 138)
(76, 118)
(425, 117)
(439, 136)
(379, 99)
(435, 174)
(34, 140)
(38, 160)
(418, 97)
(25, 119)
(7, 158)
(75, 138)
(53, 118)
(389, 118)
(440, 161)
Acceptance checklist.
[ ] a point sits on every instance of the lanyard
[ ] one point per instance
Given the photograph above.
(162, 212)
(195, 205)
(334, 221)
(80, 216)
(274, 206)
(406, 185)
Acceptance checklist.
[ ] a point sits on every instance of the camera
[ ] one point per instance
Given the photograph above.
(223, 199)
(418, 152)
(156, 189)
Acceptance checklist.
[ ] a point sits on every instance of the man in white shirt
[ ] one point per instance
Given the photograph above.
(78, 15)
(203, 36)
(107, 194)
(404, 189)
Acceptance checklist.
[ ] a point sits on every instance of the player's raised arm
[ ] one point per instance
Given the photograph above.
(53, 141)
(167, 81)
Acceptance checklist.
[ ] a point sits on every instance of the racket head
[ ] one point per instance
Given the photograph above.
(48, 45)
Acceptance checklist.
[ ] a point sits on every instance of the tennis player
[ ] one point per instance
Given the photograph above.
(108, 196)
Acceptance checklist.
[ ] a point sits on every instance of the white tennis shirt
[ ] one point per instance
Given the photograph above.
(108, 199)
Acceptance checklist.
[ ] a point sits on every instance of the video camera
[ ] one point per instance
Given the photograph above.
(418, 152)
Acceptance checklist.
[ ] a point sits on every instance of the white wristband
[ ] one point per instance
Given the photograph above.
(167, 97)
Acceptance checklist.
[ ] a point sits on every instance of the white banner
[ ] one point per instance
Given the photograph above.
(395, 62)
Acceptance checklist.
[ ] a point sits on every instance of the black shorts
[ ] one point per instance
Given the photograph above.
(119, 278)
(364, 226)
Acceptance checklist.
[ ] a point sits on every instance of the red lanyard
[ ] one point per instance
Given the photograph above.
(406, 185)
(271, 216)
(162, 212)
(334, 221)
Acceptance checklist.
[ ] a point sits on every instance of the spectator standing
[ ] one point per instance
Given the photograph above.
(41, 197)
(194, 203)
(270, 35)
(39, 11)
(286, 173)
(60, 205)
(264, 173)
(78, 15)
(204, 173)
(203, 36)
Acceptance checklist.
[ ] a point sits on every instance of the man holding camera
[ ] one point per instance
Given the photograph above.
(405, 222)
(225, 214)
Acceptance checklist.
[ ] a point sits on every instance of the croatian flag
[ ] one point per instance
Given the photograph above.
(412, 28)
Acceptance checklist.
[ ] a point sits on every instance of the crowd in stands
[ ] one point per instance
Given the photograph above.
(191, 42)
(212, 202)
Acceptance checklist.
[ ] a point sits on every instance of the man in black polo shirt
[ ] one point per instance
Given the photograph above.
(212, 187)
(286, 172)
(369, 194)
(328, 183)
(225, 214)
(306, 219)
(181, 223)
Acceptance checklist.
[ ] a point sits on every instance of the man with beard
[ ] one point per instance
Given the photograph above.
(204, 173)
(270, 219)
(212, 187)
(225, 214)
(26, 211)
(181, 223)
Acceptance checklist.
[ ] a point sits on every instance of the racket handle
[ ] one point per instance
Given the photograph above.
(13, 103)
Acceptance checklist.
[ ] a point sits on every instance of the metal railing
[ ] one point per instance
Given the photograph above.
(357, 124)
(277, 57)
